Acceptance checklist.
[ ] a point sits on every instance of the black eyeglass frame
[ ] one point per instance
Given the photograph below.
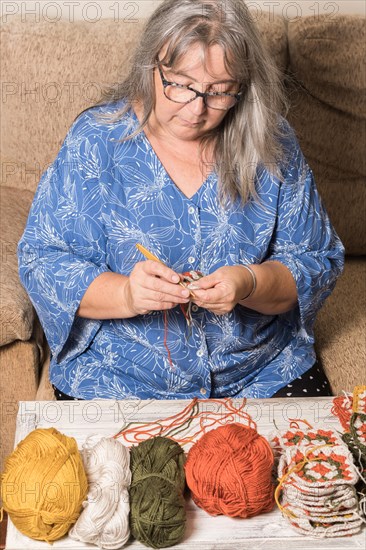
(204, 95)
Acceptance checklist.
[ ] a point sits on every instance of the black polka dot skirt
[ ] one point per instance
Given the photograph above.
(313, 383)
(61, 396)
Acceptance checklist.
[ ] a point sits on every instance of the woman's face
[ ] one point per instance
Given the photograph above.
(189, 122)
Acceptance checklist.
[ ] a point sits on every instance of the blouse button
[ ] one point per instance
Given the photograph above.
(194, 308)
(191, 210)
(203, 391)
(191, 259)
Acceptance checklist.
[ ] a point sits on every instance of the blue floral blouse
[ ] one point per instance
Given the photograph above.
(99, 198)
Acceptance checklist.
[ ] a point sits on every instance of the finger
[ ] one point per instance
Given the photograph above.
(156, 306)
(152, 276)
(167, 290)
(217, 309)
(160, 270)
(160, 297)
(211, 296)
(209, 281)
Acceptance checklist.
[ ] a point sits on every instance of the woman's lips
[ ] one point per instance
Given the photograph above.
(190, 124)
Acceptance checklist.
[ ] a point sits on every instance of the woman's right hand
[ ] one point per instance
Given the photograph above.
(152, 286)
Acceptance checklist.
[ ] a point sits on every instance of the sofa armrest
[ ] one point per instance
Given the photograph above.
(17, 313)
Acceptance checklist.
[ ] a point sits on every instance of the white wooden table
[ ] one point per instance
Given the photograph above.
(271, 531)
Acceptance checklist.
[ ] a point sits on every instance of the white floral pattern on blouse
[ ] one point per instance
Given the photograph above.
(99, 198)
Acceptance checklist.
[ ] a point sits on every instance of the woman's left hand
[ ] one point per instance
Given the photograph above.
(220, 291)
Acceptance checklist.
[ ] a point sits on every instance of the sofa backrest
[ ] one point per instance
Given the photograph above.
(328, 112)
(53, 70)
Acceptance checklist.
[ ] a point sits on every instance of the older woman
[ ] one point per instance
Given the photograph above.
(190, 158)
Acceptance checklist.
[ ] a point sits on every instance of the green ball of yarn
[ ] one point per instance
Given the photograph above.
(157, 506)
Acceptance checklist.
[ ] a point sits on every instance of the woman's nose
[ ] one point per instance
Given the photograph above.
(197, 106)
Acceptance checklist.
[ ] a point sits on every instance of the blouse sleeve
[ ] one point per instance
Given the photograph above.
(304, 239)
(62, 249)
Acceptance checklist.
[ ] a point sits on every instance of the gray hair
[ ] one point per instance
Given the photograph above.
(248, 136)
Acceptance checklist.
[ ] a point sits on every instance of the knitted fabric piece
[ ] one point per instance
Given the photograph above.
(324, 504)
(189, 278)
(359, 400)
(326, 518)
(344, 527)
(317, 477)
(358, 418)
(354, 409)
(356, 440)
(321, 493)
(300, 438)
(325, 466)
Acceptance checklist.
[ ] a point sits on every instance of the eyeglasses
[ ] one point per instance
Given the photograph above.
(222, 101)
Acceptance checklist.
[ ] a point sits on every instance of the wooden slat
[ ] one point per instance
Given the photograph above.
(204, 532)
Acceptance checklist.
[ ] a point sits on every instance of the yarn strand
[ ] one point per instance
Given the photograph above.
(296, 468)
(178, 426)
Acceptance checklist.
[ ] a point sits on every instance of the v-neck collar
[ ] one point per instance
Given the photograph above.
(196, 196)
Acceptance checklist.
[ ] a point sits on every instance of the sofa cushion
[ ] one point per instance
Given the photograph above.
(274, 33)
(328, 54)
(53, 70)
(328, 95)
(340, 329)
(16, 311)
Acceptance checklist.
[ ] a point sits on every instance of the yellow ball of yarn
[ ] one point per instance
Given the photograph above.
(44, 484)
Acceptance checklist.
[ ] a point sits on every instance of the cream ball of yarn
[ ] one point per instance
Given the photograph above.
(104, 520)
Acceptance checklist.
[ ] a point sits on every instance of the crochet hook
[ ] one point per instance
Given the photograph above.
(150, 256)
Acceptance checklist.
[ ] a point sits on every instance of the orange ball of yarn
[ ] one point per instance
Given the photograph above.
(229, 472)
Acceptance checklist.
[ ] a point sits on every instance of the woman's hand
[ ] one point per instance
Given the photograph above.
(222, 290)
(153, 286)
(275, 291)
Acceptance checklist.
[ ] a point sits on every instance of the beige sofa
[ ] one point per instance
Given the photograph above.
(53, 70)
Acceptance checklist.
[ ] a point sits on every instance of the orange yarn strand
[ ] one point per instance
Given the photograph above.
(294, 423)
(156, 428)
(296, 468)
(191, 422)
(342, 408)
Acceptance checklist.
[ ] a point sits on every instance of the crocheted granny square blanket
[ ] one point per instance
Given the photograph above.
(318, 466)
(296, 437)
(345, 526)
(317, 478)
(325, 503)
